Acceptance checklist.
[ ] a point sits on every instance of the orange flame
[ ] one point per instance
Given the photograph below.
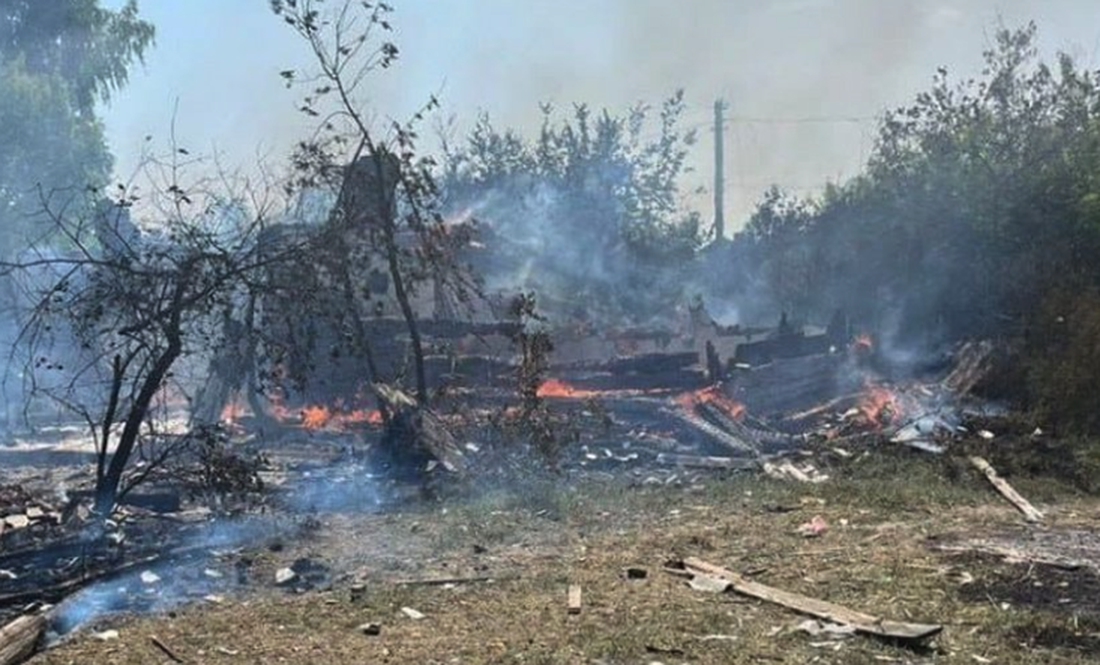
(320, 417)
(880, 406)
(555, 388)
(316, 417)
(864, 343)
(713, 396)
(234, 411)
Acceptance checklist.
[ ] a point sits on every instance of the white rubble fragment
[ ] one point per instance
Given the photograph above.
(35, 513)
(17, 521)
(212, 574)
(412, 614)
(149, 578)
(285, 576)
(986, 434)
(106, 636)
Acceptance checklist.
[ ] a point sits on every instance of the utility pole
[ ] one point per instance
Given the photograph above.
(720, 107)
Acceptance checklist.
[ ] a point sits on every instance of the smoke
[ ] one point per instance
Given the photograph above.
(838, 63)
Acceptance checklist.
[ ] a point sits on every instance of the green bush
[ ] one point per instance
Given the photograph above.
(1062, 359)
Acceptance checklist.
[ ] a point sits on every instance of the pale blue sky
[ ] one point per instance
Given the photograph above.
(781, 59)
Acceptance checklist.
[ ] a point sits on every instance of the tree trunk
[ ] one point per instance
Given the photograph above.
(107, 486)
(410, 317)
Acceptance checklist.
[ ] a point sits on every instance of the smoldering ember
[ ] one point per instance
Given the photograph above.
(431, 390)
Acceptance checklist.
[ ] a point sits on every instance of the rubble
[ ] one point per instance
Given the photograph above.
(863, 623)
(573, 601)
(415, 615)
(371, 629)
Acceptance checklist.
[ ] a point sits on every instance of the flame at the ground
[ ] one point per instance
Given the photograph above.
(555, 388)
(714, 396)
(322, 417)
(313, 417)
(234, 411)
(880, 406)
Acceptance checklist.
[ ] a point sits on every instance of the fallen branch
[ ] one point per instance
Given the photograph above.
(863, 623)
(19, 639)
(1006, 490)
(165, 650)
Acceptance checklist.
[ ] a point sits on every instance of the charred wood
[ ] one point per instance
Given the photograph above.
(415, 436)
(20, 638)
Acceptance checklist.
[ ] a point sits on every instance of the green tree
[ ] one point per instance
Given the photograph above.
(58, 59)
(589, 212)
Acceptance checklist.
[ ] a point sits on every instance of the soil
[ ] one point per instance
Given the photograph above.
(889, 515)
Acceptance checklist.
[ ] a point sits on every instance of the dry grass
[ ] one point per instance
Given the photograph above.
(882, 511)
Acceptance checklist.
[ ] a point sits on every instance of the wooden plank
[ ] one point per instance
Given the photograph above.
(574, 601)
(715, 433)
(706, 462)
(19, 639)
(863, 623)
(1006, 490)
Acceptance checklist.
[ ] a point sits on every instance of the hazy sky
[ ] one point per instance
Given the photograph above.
(804, 78)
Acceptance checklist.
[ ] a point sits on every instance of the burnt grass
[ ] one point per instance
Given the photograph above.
(1064, 603)
(525, 544)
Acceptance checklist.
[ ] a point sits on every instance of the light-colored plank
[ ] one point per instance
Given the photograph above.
(19, 639)
(574, 599)
(863, 623)
(1006, 490)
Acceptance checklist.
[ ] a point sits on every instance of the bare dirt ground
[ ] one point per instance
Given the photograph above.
(909, 538)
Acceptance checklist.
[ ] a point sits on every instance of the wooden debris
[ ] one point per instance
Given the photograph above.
(973, 362)
(716, 433)
(19, 639)
(706, 462)
(785, 470)
(574, 601)
(1006, 490)
(165, 650)
(863, 623)
(422, 428)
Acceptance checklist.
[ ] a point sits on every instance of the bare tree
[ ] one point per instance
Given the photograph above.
(115, 309)
(386, 198)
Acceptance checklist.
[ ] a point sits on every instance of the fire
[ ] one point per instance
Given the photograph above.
(880, 405)
(234, 411)
(320, 417)
(315, 417)
(713, 396)
(555, 388)
(864, 343)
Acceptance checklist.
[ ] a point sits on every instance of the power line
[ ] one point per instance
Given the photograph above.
(760, 120)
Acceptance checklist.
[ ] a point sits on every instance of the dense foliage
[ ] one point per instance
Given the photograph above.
(57, 60)
(981, 201)
(589, 212)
